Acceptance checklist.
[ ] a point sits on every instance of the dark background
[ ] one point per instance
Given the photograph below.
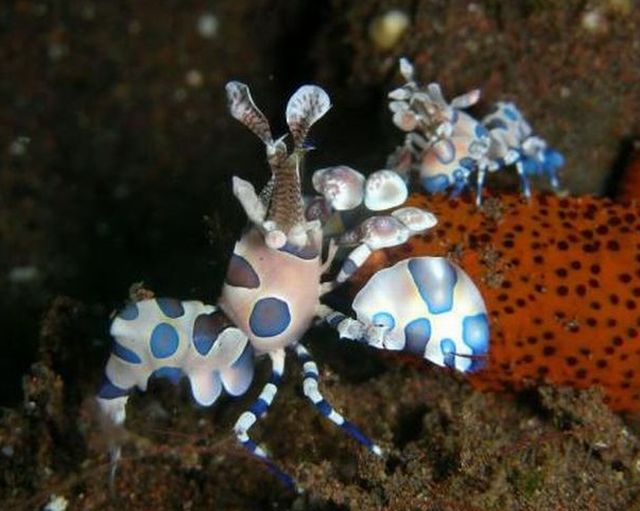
(116, 150)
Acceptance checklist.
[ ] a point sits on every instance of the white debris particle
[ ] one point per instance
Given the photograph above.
(180, 94)
(208, 25)
(8, 451)
(23, 274)
(18, 147)
(56, 503)
(386, 30)
(57, 51)
(594, 21)
(134, 27)
(194, 78)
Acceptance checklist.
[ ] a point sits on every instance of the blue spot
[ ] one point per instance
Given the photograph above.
(510, 113)
(349, 267)
(467, 163)
(324, 408)
(205, 333)
(170, 307)
(552, 159)
(481, 131)
(306, 252)
(164, 340)
(454, 117)
(173, 374)
(417, 334)
(269, 317)
(530, 166)
(383, 319)
(110, 391)
(496, 124)
(459, 175)
(357, 434)
(435, 184)
(435, 279)
(259, 407)
(475, 333)
(129, 313)
(448, 349)
(275, 378)
(336, 319)
(448, 154)
(125, 353)
(240, 273)
(310, 375)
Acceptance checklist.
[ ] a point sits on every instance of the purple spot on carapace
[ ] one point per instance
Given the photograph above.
(206, 329)
(164, 340)
(269, 317)
(129, 313)
(170, 307)
(445, 151)
(125, 353)
(308, 251)
(173, 374)
(417, 334)
(240, 273)
(110, 391)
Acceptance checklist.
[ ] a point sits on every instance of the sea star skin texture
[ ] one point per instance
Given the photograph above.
(561, 281)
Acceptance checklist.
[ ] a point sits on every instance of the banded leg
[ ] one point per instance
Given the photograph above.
(375, 335)
(256, 411)
(480, 184)
(379, 232)
(356, 258)
(310, 388)
(524, 180)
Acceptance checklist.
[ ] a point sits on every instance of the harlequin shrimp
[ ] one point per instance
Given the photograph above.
(275, 288)
(446, 145)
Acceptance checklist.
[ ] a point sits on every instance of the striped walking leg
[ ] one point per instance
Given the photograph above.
(310, 388)
(257, 410)
(352, 329)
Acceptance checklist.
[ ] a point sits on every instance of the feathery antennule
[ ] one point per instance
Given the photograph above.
(308, 104)
(243, 108)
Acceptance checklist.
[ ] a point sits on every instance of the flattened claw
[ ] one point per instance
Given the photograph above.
(416, 219)
(384, 189)
(341, 186)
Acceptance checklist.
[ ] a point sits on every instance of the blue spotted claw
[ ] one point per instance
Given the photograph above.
(167, 338)
(426, 306)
